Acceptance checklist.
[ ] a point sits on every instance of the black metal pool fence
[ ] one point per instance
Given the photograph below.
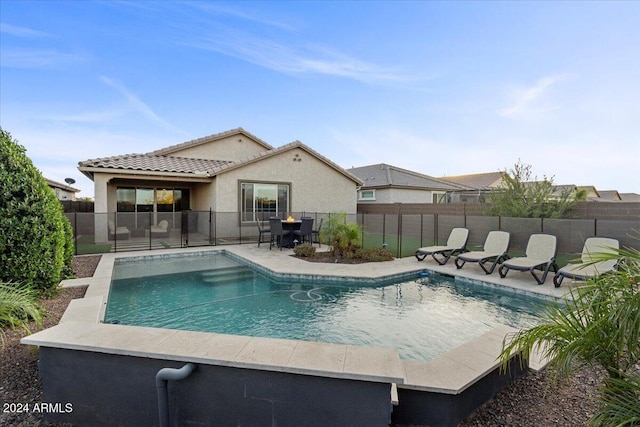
(400, 233)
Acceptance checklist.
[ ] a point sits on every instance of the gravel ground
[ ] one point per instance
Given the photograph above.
(529, 401)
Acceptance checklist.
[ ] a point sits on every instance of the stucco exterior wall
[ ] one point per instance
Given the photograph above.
(203, 197)
(315, 186)
(235, 147)
(399, 195)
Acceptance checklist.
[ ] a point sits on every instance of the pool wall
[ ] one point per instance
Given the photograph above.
(439, 409)
(108, 390)
(107, 373)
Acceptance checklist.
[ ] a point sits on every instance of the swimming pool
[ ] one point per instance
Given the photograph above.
(421, 318)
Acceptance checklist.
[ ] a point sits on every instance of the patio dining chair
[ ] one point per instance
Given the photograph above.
(315, 234)
(306, 229)
(261, 231)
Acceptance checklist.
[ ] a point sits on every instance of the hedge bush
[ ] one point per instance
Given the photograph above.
(305, 250)
(374, 255)
(36, 243)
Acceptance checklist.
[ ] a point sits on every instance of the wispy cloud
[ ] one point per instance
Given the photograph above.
(16, 31)
(37, 58)
(86, 117)
(270, 42)
(295, 59)
(528, 100)
(219, 9)
(139, 106)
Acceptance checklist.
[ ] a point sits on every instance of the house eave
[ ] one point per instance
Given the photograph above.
(158, 175)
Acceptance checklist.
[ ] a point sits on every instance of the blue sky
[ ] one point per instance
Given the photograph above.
(442, 88)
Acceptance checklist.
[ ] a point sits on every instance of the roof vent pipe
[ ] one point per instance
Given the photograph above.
(164, 375)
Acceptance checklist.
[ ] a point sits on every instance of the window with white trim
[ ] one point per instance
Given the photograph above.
(367, 195)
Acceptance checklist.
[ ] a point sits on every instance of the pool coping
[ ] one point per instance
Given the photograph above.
(450, 373)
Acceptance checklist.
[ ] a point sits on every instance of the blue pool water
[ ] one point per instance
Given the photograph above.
(421, 318)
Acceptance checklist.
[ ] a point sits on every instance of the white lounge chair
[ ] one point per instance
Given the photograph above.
(118, 233)
(456, 243)
(494, 249)
(588, 269)
(539, 255)
(160, 230)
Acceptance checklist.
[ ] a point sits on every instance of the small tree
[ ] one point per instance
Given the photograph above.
(343, 237)
(522, 196)
(36, 244)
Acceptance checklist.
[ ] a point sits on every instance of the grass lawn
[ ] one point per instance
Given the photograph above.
(86, 245)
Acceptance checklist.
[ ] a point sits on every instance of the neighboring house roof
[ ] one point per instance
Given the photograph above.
(65, 187)
(477, 181)
(610, 195)
(590, 191)
(160, 162)
(383, 175)
(208, 139)
(630, 197)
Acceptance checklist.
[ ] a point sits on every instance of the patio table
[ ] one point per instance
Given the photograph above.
(287, 241)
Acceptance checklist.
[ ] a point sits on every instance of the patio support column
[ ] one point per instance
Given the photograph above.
(100, 207)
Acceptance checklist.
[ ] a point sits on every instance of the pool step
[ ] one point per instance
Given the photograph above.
(227, 275)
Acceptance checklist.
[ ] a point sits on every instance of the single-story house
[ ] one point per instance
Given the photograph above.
(233, 173)
(384, 183)
(62, 191)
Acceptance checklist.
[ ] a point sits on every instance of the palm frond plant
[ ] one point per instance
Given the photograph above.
(595, 324)
(620, 403)
(343, 237)
(18, 306)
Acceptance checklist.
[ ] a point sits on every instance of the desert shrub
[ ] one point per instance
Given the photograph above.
(522, 195)
(36, 246)
(18, 305)
(374, 254)
(305, 250)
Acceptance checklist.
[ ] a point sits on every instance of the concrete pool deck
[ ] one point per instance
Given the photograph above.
(453, 373)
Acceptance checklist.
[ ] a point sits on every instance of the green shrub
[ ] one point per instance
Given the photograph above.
(18, 305)
(343, 237)
(522, 196)
(305, 250)
(36, 246)
(374, 255)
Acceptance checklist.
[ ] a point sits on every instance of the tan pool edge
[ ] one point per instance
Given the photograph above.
(451, 373)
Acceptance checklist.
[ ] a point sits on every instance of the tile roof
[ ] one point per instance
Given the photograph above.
(159, 161)
(155, 163)
(205, 140)
(383, 175)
